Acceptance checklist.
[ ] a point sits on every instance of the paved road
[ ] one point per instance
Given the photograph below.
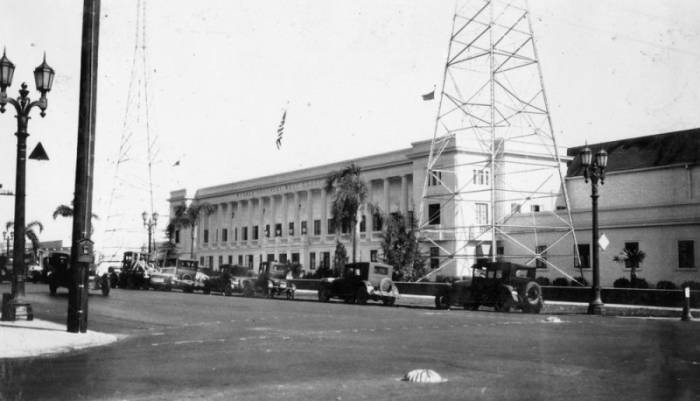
(190, 346)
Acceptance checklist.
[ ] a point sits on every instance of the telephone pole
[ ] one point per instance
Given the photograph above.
(81, 246)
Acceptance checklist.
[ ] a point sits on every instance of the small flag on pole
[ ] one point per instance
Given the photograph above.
(280, 130)
(429, 96)
(177, 163)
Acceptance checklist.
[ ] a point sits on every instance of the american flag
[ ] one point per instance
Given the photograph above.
(280, 130)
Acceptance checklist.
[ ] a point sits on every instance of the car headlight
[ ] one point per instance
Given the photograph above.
(269, 284)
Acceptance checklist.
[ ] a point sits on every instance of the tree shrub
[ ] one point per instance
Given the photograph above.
(665, 285)
(543, 281)
(694, 285)
(639, 283)
(561, 281)
(622, 282)
(581, 282)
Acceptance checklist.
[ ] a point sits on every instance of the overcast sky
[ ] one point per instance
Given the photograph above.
(350, 74)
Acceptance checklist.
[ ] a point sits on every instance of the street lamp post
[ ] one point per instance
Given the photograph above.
(43, 77)
(150, 224)
(595, 170)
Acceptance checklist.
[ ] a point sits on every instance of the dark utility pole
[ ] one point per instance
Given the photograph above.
(81, 246)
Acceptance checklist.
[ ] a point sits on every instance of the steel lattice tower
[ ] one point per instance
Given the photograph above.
(493, 159)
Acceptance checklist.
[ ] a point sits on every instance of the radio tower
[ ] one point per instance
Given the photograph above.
(494, 176)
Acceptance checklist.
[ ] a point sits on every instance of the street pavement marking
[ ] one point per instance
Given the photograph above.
(157, 334)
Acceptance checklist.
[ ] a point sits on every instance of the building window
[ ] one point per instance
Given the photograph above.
(235, 233)
(331, 226)
(206, 236)
(240, 260)
(177, 236)
(224, 235)
(283, 258)
(230, 259)
(435, 178)
(295, 257)
(312, 260)
(363, 223)
(373, 255)
(317, 227)
(216, 235)
(326, 261)
(534, 208)
(481, 212)
(411, 218)
(434, 257)
(278, 230)
(303, 228)
(267, 231)
(481, 177)
(270, 257)
(201, 260)
(631, 247)
(377, 222)
(434, 213)
(211, 262)
(250, 261)
(584, 253)
(344, 227)
(686, 254)
(256, 233)
(291, 229)
(542, 253)
(244, 233)
(221, 260)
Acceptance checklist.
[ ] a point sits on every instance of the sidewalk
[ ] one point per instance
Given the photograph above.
(22, 338)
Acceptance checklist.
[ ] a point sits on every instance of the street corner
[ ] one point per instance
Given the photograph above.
(23, 339)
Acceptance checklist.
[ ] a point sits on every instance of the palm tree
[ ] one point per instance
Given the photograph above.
(30, 233)
(188, 217)
(350, 193)
(632, 258)
(67, 211)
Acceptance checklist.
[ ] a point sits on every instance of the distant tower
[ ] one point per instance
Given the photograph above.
(131, 189)
(494, 171)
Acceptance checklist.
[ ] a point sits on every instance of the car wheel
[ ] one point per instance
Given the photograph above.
(290, 295)
(104, 286)
(389, 301)
(442, 302)
(227, 292)
(324, 294)
(52, 288)
(248, 290)
(206, 291)
(361, 296)
(532, 301)
(504, 304)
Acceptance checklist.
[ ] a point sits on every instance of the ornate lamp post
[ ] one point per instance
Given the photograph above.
(43, 77)
(595, 170)
(150, 224)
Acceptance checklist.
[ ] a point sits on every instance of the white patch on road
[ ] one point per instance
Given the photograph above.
(157, 334)
(552, 319)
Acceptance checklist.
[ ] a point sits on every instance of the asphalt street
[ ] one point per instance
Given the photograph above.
(177, 346)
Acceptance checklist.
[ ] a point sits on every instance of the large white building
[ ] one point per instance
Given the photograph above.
(650, 200)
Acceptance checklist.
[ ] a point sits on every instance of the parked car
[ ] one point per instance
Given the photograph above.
(502, 285)
(361, 282)
(175, 273)
(135, 272)
(59, 274)
(114, 271)
(227, 280)
(35, 272)
(271, 281)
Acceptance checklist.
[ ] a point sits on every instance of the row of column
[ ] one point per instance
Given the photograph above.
(244, 213)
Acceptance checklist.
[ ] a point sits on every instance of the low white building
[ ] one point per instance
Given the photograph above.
(650, 201)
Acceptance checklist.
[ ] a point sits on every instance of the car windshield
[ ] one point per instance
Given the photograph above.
(521, 273)
(381, 270)
(168, 270)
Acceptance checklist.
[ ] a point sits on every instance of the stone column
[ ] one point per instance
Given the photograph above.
(297, 224)
(285, 215)
(386, 203)
(324, 211)
(309, 212)
(261, 223)
(403, 206)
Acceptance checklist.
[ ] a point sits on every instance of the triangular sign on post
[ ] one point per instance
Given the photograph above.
(39, 153)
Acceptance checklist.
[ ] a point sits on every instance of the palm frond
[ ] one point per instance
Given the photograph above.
(63, 211)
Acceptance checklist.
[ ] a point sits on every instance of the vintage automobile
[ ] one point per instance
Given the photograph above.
(59, 274)
(135, 272)
(114, 271)
(361, 282)
(503, 285)
(271, 281)
(227, 280)
(175, 273)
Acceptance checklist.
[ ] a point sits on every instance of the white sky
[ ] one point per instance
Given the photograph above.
(349, 72)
